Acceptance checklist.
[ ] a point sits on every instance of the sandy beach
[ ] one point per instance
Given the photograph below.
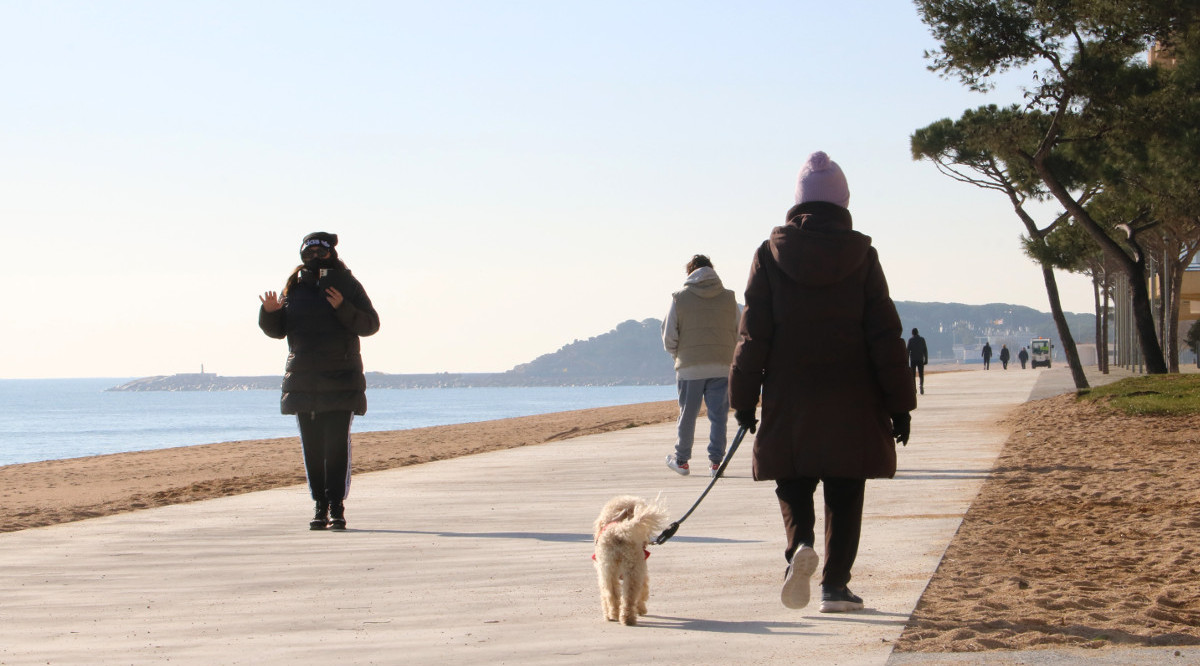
(60, 491)
(1083, 535)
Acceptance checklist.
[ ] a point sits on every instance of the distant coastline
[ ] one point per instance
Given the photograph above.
(379, 380)
(632, 354)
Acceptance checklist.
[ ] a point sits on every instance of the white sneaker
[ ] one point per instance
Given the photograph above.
(797, 582)
(676, 466)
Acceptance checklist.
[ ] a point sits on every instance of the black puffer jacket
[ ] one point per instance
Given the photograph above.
(324, 371)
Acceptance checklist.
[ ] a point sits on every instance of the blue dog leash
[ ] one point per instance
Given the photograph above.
(674, 527)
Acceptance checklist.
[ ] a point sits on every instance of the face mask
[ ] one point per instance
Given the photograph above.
(317, 263)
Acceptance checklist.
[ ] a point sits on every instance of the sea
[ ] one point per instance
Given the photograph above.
(52, 419)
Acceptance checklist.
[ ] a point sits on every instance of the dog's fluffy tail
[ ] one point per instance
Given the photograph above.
(654, 514)
(646, 521)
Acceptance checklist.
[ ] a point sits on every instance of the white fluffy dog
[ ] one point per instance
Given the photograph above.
(623, 529)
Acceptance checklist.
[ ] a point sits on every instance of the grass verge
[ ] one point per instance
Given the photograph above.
(1149, 395)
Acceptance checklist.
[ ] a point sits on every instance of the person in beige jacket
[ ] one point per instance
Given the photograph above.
(700, 331)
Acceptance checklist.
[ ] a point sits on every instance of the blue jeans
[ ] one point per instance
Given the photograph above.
(714, 392)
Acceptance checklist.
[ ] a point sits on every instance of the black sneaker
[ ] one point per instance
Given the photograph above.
(320, 517)
(839, 600)
(337, 516)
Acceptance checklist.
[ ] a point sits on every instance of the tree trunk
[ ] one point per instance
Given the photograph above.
(1143, 319)
(1056, 311)
(1182, 252)
(1173, 314)
(1104, 328)
(1064, 331)
(1164, 305)
(1099, 321)
(1134, 268)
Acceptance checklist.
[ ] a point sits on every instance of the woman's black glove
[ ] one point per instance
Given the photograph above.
(901, 425)
(745, 419)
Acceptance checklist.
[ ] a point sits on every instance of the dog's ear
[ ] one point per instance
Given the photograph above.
(625, 514)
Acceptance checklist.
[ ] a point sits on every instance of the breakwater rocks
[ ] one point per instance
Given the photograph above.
(206, 381)
(380, 380)
(630, 355)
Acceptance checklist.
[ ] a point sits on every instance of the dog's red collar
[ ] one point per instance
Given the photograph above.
(643, 550)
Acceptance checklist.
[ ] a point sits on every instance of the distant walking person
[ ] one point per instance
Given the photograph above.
(700, 331)
(918, 357)
(821, 340)
(1023, 357)
(322, 311)
(987, 356)
(1004, 356)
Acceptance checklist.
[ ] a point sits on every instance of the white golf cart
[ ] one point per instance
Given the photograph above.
(1039, 352)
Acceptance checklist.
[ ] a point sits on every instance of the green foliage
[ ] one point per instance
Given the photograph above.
(1193, 336)
(1098, 119)
(1084, 39)
(985, 142)
(987, 147)
(1068, 247)
(1116, 120)
(980, 39)
(1150, 395)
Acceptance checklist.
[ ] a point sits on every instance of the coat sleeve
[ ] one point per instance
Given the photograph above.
(274, 324)
(670, 330)
(885, 342)
(357, 313)
(755, 333)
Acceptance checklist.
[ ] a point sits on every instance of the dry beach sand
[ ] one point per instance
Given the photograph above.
(59, 491)
(1087, 532)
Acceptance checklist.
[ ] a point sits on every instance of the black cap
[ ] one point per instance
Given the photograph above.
(324, 239)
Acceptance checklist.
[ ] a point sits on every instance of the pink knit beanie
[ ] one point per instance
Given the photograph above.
(821, 179)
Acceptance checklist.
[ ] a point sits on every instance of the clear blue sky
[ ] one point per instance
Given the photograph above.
(506, 177)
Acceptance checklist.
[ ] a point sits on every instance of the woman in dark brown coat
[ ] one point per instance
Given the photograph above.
(821, 340)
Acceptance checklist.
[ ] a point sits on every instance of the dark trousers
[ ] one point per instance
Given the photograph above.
(843, 521)
(919, 370)
(325, 438)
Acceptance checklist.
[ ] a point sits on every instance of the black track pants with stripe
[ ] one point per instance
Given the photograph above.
(325, 438)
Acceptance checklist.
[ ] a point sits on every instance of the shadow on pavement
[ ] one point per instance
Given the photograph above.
(559, 537)
(718, 626)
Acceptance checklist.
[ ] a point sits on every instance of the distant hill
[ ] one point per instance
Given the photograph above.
(632, 353)
(633, 350)
(944, 325)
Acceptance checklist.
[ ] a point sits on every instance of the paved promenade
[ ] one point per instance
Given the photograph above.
(486, 559)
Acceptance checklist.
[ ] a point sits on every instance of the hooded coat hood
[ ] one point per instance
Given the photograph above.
(704, 283)
(818, 246)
